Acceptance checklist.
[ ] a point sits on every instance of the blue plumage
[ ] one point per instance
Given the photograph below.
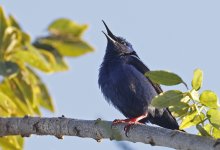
(122, 82)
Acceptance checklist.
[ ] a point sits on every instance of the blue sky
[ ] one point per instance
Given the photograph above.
(178, 36)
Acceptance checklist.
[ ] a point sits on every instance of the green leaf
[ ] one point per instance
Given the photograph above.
(186, 98)
(3, 24)
(13, 22)
(69, 48)
(10, 143)
(4, 112)
(214, 117)
(197, 79)
(180, 109)
(164, 77)
(33, 57)
(8, 68)
(208, 127)
(57, 63)
(41, 92)
(204, 131)
(66, 38)
(199, 118)
(216, 133)
(209, 99)
(45, 99)
(191, 120)
(66, 27)
(18, 90)
(193, 94)
(10, 89)
(20, 141)
(12, 39)
(166, 99)
(187, 121)
(25, 37)
(7, 104)
(56, 60)
(27, 90)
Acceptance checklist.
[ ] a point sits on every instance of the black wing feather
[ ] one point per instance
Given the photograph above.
(166, 119)
(140, 66)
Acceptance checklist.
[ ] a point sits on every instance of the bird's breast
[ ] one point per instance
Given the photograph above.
(126, 88)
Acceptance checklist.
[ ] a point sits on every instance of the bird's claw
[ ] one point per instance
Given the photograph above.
(127, 127)
(116, 121)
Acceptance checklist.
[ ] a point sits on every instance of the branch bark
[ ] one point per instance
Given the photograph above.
(98, 130)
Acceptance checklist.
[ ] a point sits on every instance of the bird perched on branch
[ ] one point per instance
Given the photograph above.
(123, 84)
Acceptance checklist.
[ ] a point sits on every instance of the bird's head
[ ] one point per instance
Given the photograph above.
(117, 45)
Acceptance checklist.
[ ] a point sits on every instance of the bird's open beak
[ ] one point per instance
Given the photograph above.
(110, 35)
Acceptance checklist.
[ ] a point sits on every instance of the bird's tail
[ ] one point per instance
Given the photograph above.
(164, 119)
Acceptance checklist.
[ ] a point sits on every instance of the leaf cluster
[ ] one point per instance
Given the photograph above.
(22, 92)
(192, 108)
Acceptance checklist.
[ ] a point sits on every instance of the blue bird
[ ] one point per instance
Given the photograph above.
(123, 84)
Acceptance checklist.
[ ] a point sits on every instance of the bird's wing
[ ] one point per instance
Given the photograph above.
(140, 66)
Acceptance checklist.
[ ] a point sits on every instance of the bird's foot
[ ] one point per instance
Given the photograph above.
(130, 122)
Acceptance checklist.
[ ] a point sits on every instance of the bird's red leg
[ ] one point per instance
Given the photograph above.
(130, 122)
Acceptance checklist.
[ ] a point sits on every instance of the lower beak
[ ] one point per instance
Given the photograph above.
(110, 35)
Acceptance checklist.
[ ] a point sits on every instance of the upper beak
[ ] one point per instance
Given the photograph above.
(110, 35)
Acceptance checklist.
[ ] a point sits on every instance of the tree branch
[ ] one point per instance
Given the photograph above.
(98, 130)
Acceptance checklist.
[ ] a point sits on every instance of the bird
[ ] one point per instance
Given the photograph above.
(123, 83)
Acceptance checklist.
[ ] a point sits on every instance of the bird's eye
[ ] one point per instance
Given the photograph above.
(123, 43)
